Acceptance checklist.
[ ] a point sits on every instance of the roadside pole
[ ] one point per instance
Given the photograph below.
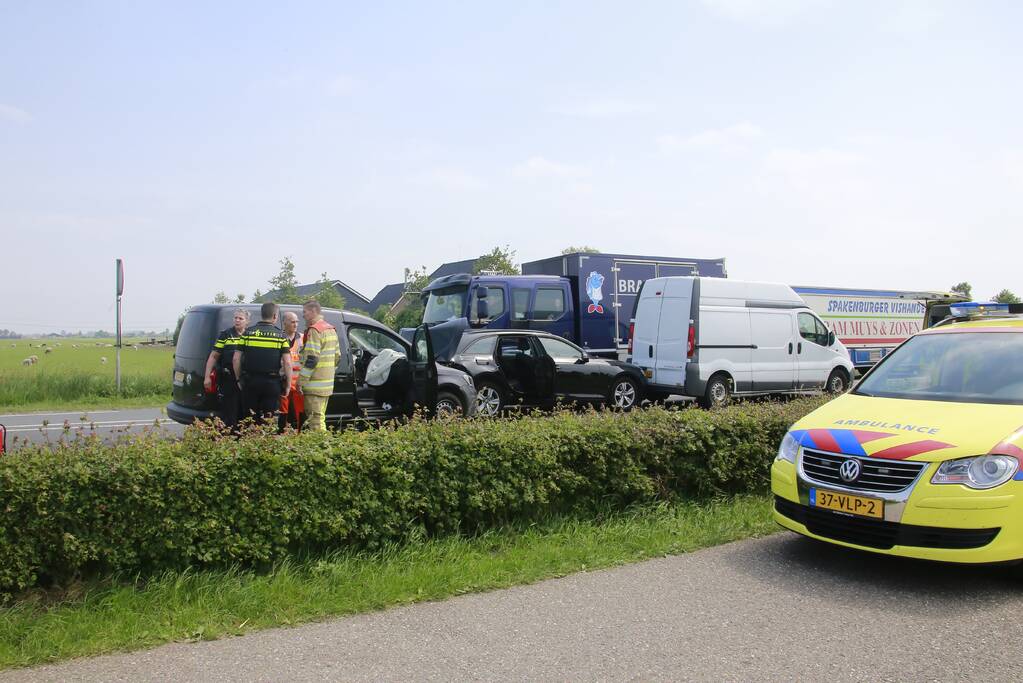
(120, 290)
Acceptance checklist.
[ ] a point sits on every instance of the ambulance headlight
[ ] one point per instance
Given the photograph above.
(981, 472)
(788, 448)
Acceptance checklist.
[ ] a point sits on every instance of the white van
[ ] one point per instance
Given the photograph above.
(711, 338)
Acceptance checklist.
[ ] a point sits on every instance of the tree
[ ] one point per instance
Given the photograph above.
(220, 298)
(416, 280)
(326, 294)
(383, 316)
(963, 288)
(239, 299)
(580, 250)
(256, 296)
(284, 284)
(1005, 297)
(500, 261)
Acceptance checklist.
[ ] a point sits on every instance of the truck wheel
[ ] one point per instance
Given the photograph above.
(624, 394)
(718, 393)
(489, 399)
(448, 405)
(838, 382)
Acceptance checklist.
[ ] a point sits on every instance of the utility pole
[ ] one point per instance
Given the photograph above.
(120, 291)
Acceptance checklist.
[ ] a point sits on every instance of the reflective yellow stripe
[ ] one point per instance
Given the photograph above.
(264, 344)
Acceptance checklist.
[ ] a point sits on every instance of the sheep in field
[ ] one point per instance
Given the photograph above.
(27, 361)
(48, 351)
(34, 359)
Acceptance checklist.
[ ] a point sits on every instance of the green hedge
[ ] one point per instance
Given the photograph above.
(149, 504)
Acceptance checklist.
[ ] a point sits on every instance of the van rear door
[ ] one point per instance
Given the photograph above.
(671, 349)
(645, 322)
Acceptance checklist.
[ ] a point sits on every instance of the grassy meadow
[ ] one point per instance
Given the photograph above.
(73, 375)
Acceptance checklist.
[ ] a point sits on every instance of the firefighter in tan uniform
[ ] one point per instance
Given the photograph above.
(318, 360)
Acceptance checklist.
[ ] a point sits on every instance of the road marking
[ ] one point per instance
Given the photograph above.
(74, 412)
(89, 426)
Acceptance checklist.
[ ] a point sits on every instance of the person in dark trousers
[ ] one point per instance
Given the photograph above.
(222, 358)
(262, 357)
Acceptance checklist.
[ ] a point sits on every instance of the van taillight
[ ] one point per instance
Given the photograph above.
(632, 331)
(691, 345)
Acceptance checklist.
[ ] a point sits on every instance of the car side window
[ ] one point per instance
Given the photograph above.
(812, 330)
(520, 304)
(559, 350)
(373, 341)
(822, 332)
(495, 304)
(481, 347)
(550, 303)
(509, 347)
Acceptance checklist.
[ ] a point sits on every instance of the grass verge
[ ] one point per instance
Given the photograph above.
(112, 616)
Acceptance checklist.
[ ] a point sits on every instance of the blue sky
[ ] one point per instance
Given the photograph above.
(864, 144)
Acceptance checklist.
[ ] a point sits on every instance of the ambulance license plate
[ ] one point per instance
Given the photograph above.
(844, 502)
(179, 377)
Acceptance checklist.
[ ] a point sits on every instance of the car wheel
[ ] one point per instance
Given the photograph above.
(838, 382)
(718, 393)
(624, 394)
(489, 399)
(448, 405)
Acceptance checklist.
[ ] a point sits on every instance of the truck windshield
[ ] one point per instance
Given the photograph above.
(445, 304)
(969, 367)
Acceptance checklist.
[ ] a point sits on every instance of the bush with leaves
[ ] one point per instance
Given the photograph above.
(148, 504)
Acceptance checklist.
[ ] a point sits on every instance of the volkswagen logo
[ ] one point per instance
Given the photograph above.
(849, 471)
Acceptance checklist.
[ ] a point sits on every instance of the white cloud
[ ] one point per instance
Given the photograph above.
(606, 108)
(539, 167)
(732, 138)
(765, 12)
(825, 174)
(13, 114)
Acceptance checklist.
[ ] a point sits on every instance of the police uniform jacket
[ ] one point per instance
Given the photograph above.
(262, 346)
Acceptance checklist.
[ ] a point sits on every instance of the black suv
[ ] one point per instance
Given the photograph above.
(437, 388)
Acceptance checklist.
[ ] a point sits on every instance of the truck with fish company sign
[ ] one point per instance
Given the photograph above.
(872, 322)
(587, 298)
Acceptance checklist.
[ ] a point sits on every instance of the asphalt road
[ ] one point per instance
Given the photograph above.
(36, 428)
(781, 608)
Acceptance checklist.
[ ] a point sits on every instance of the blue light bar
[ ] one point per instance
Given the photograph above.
(978, 308)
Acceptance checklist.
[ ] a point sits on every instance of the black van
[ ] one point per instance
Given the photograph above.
(435, 387)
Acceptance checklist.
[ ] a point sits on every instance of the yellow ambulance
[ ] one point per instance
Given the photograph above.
(924, 457)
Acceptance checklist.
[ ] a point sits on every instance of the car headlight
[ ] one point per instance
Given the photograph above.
(788, 448)
(978, 472)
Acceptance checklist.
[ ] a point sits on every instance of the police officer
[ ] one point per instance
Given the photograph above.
(263, 356)
(222, 358)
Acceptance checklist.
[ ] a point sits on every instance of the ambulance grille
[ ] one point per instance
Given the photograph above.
(883, 476)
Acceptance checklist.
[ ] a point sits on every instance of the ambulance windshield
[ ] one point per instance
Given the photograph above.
(966, 367)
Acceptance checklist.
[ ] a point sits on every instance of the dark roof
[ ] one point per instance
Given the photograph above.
(453, 268)
(353, 299)
(388, 296)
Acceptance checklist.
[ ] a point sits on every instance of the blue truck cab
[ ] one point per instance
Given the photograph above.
(585, 298)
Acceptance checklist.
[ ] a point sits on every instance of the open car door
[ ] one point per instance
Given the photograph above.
(424, 370)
